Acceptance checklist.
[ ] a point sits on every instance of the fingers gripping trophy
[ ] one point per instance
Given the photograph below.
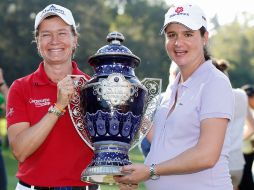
(112, 111)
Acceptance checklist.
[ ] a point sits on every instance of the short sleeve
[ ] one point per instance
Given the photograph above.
(16, 105)
(217, 99)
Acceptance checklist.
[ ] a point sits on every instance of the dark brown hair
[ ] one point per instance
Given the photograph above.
(249, 89)
(221, 64)
(206, 53)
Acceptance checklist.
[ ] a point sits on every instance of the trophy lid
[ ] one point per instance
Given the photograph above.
(114, 52)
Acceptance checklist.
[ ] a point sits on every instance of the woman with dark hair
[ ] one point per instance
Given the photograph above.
(190, 140)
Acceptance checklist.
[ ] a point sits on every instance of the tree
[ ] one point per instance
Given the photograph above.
(234, 42)
(140, 23)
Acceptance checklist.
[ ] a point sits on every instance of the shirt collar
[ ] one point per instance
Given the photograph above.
(192, 79)
(41, 78)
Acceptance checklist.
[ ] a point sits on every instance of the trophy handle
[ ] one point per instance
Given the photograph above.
(75, 111)
(153, 86)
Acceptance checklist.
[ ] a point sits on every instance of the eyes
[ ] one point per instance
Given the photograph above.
(173, 35)
(60, 34)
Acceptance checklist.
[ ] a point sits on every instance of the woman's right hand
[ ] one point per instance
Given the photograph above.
(65, 92)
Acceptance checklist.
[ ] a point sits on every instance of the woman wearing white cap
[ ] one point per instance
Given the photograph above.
(190, 144)
(50, 153)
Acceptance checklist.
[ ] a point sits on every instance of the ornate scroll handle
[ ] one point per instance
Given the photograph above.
(75, 111)
(153, 86)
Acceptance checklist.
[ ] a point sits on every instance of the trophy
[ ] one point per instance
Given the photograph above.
(113, 110)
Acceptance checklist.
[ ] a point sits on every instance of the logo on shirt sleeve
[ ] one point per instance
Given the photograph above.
(10, 112)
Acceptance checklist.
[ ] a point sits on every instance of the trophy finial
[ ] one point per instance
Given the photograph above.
(114, 52)
(115, 37)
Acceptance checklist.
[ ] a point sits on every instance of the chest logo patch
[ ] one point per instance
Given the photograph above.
(40, 102)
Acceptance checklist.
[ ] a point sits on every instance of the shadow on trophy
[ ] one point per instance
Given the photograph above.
(113, 111)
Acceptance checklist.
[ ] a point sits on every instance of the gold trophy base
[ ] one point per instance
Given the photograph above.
(101, 174)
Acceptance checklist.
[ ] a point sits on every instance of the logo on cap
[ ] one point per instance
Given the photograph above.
(179, 9)
(52, 8)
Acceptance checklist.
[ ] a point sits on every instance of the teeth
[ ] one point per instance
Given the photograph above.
(56, 50)
(180, 53)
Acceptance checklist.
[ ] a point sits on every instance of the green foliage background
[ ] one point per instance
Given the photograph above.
(235, 43)
(140, 22)
(11, 168)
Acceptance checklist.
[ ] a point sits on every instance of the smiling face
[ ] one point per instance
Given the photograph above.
(185, 46)
(56, 41)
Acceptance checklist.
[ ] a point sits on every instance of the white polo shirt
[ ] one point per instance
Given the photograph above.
(206, 94)
(236, 159)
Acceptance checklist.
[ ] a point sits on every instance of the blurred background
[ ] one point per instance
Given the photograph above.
(139, 21)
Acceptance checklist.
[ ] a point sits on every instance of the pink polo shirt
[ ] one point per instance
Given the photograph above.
(206, 94)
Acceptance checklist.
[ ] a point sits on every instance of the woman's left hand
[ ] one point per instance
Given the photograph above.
(135, 173)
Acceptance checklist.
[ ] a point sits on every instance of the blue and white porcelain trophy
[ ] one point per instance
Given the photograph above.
(113, 110)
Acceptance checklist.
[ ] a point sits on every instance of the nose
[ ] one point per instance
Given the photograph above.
(177, 41)
(54, 38)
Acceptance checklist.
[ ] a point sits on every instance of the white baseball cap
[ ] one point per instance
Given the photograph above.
(190, 15)
(58, 10)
